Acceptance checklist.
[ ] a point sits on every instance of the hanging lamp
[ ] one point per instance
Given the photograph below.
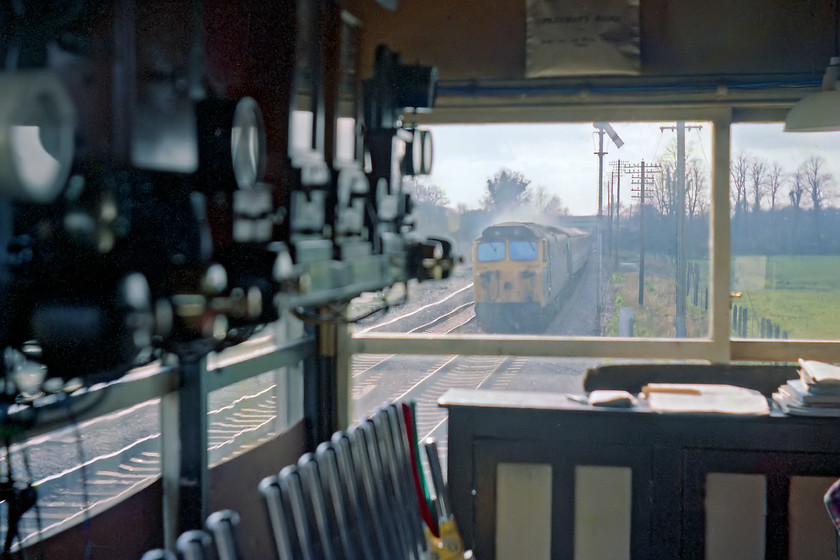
(820, 112)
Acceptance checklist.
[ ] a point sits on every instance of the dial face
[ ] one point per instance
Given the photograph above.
(424, 139)
(37, 123)
(421, 152)
(247, 143)
(37, 167)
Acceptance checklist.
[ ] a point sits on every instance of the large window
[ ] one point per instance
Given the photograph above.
(785, 224)
(698, 260)
(572, 235)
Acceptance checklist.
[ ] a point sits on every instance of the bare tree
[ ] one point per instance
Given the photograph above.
(817, 182)
(757, 185)
(775, 180)
(664, 186)
(662, 189)
(545, 202)
(697, 202)
(430, 205)
(425, 194)
(797, 189)
(739, 171)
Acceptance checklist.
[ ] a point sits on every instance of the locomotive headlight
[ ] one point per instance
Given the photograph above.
(37, 121)
(247, 143)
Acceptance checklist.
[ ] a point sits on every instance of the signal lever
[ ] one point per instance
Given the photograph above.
(450, 546)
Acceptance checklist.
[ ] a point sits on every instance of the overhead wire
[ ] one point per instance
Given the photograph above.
(656, 148)
(703, 150)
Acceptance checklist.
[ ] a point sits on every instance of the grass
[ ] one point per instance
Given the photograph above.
(656, 318)
(801, 294)
(804, 273)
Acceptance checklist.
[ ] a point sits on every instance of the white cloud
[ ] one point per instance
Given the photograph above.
(560, 157)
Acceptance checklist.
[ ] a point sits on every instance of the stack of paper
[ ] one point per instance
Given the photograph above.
(700, 398)
(815, 393)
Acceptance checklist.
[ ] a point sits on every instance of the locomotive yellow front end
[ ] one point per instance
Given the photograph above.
(510, 281)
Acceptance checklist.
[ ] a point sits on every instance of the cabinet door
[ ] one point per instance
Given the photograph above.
(569, 500)
(762, 505)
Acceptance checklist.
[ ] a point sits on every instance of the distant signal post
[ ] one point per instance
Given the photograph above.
(603, 128)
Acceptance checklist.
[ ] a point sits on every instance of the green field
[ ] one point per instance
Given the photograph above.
(801, 294)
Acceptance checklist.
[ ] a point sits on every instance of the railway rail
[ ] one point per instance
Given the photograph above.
(90, 468)
(115, 455)
(86, 468)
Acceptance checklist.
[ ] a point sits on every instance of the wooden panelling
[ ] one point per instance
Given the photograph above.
(482, 40)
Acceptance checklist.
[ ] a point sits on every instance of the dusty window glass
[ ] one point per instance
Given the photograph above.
(557, 234)
(785, 233)
(523, 250)
(487, 252)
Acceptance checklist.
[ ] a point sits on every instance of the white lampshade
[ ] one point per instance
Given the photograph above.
(819, 112)
(816, 113)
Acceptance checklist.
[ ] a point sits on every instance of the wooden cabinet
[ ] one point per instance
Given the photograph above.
(631, 483)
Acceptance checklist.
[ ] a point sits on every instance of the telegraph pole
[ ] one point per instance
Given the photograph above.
(680, 273)
(599, 308)
(642, 189)
(618, 170)
(603, 128)
(610, 216)
(680, 283)
(600, 153)
(642, 182)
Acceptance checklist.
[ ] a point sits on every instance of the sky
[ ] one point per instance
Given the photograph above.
(562, 158)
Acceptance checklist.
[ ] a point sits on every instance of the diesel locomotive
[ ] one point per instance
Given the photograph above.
(522, 271)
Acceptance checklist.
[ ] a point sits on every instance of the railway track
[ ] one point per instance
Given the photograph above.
(104, 472)
(105, 468)
(82, 470)
(381, 378)
(126, 455)
(449, 322)
(439, 309)
(440, 375)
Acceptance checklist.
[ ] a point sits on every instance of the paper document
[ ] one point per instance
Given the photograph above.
(698, 397)
(813, 372)
(790, 406)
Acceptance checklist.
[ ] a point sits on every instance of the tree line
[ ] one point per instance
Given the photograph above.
(508, 196)
(773, 210)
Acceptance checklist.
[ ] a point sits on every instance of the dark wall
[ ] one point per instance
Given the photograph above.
(485, 39)
(135, 525)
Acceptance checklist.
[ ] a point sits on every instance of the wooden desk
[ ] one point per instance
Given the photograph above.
(670, 456)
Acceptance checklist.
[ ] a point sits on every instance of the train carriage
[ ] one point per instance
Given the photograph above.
(521, 271)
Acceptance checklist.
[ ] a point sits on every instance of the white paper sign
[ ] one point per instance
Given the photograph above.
(582, 37)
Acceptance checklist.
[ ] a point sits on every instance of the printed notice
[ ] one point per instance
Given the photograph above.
(589, 37)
